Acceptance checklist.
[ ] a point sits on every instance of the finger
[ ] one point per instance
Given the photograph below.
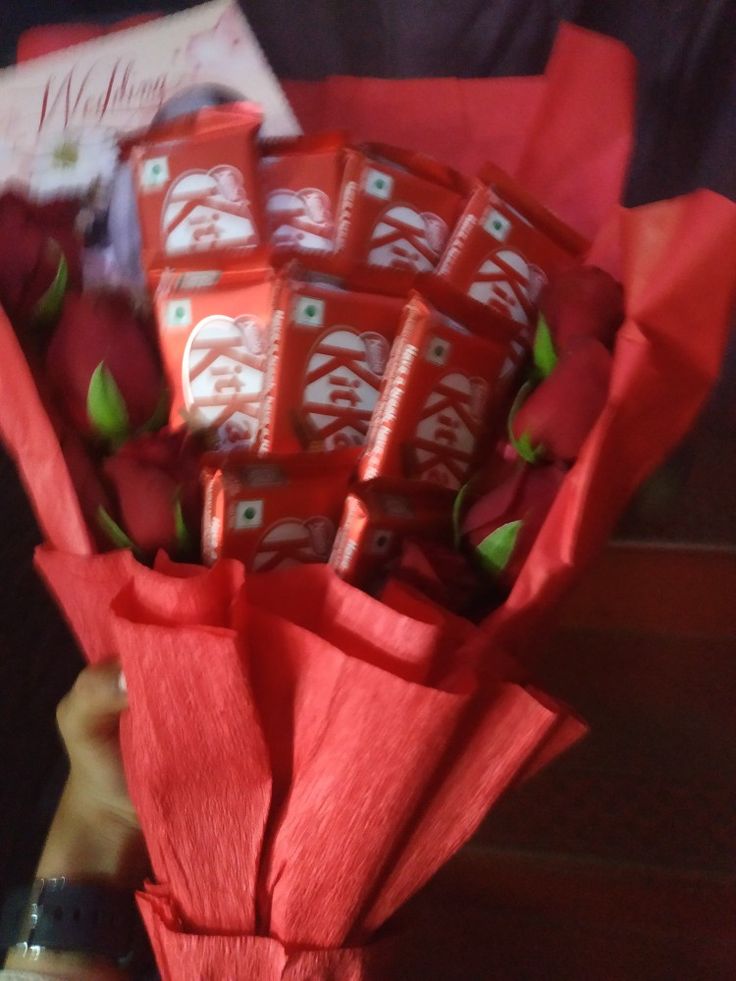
(94, 703)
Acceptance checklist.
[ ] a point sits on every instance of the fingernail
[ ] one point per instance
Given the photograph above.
(122, 683)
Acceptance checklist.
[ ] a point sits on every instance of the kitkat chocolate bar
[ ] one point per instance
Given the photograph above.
(397, 209)
(329, 348)
(505, 247)
(379, 516)
(440, 388)
(197, 188)
(213, 332)
(273, 512)
(301, 180)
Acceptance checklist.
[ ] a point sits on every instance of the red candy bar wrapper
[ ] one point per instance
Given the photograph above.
(197, 187)
(505, 247)
(300, 181)
(329, 350)
(379, 516)
(439, 390)
(397, 209)
(275, 512)
(213, 333)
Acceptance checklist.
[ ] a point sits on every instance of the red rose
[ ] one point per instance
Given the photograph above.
(502, 524)
(40, 255)
(440, 573)
(104, 367)
(555, 419)
(88, 485)
(179, 454)
(584, 301)
(59, 219)
(147, 502)
(155, 479)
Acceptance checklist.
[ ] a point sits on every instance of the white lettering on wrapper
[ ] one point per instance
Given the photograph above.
(207, 210)
(293, 541)
(223, 375)
(404, 239)
(341, 386)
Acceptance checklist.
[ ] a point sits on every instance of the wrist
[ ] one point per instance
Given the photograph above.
(67, 965)
(79, 930)
(88, 840)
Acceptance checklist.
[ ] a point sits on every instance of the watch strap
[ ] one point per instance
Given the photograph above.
(63, 915)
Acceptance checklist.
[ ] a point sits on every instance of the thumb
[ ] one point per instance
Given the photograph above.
(94, 704)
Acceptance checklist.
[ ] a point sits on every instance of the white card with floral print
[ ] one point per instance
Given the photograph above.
(62, 115)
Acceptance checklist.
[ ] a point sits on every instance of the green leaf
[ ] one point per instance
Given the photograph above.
(113, 530)
(523, 446)
(48, 307)
(106, 408)
(183, 538)
(160, 414)
(457, 510)
(545, 356)
(495, 551)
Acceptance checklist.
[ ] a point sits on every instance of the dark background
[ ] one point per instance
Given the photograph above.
(685, 49)
(686, 137)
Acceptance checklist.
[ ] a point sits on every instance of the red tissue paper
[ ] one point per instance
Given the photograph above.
(303, 756)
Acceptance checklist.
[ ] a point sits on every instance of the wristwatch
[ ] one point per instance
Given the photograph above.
(64, 915)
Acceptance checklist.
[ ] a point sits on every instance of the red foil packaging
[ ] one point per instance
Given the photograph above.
(300, 182)
(213, 334)
(379, 516)
(197, 187)
(329, 350)
(439, 391)
(397, 209)
(275, 512)
(505, 247)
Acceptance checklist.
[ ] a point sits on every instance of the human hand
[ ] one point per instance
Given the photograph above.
(89, 721)
(95, 833)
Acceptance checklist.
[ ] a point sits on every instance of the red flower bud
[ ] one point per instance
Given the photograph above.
(555, 419)
(88, 485)
(502, 524)
(147, 500)
(179, 454)
(156, 481)
(103, 365)
(583, 301)
(442, 574)
(40, 255)
(59, 219)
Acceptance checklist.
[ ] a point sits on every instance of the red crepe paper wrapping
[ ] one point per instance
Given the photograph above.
(566, 136)
(282, 816)
(307, 773)
(302, 756)
(679, 287)
(46, 39)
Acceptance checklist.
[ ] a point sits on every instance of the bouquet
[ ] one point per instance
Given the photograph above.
(323, 463)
